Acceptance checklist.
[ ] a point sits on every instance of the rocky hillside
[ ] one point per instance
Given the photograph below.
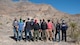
(27, 9)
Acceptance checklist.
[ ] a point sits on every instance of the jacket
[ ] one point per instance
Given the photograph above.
(36, 26)
(64, 26)
(58, 27)
(43, 25)
(28, 25)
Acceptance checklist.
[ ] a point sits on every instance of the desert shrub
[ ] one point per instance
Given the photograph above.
(0, 23)
(7, 22)
(73, 26)
(74, 33)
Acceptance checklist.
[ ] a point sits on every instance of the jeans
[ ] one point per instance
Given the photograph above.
(28, 34)
(57, 33)
(32, 32)
(19, 36)
(15, 32)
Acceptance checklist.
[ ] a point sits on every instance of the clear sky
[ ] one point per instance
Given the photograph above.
(67, 6)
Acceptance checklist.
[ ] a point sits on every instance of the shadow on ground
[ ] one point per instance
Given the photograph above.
(12, 37)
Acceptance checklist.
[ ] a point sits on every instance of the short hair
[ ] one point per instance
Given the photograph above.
(48, 20)
(20, 19)
(23, 20)
(40, 20)
(28, 18)
(15, 19)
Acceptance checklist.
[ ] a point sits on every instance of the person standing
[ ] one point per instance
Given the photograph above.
(50, 27)
(32, 29)
(44, 28)
(53, 30)
(15, 27)
(23, 28)
(64, 27)
(24, 24)
(40, 31)
(58, 27)
(20, 29)
(28, 30)
(36, 30)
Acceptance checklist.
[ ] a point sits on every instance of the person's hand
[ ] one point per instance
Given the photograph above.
(16, 28)
(39, 30)
(23, 30)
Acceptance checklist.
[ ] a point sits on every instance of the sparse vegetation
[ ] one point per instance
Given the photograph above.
(0, 23)
(7, 22)
(74, 34)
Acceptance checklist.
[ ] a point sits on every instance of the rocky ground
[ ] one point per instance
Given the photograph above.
(5, 39)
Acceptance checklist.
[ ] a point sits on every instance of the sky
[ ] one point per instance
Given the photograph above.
(67, 6)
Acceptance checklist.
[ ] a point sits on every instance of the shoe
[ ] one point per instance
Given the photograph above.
(58, 41)
(19, 40)
(45, 40)
(29, 40)
(41, 39)
(25, 40)
(61, 40)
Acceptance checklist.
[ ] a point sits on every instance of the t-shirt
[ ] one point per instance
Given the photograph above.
(50, 25)
(24, 25)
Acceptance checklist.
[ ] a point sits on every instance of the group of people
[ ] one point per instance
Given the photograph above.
(41, 30)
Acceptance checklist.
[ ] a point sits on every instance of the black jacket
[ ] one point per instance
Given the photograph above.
(36, 26)
(43, 25)
(28, 25)
(32, 25)
(58, 26)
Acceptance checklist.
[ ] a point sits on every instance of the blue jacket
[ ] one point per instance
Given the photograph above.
(64, 26)
(20, 26)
